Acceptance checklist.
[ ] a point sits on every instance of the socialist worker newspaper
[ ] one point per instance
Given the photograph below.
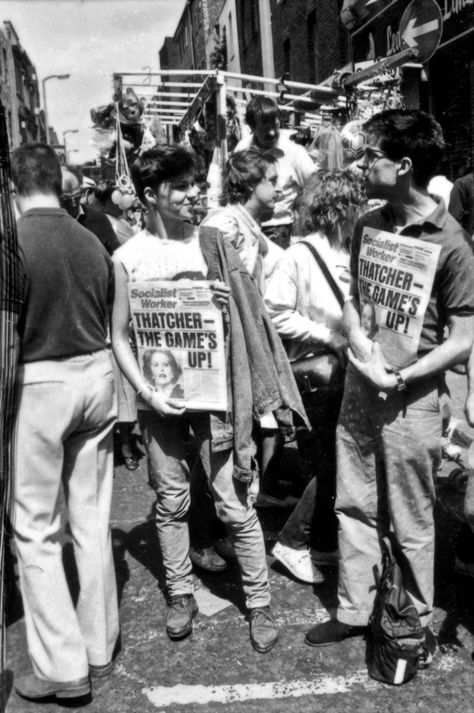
(180, 341)
(396, 275)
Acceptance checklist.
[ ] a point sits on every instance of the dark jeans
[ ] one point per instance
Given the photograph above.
(279, 234)
(204, 525)
(313, 522)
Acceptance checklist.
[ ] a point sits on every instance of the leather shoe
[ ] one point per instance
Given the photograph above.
(100, 671)
(34, 688)
(182, 610)
(263, 629)
(331, 632)
(207, 558)
(131, 462)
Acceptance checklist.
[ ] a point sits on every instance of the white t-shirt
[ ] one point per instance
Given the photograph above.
(149, 257)
(294, 168)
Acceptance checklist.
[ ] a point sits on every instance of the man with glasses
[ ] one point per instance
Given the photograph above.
(91, 218)
(389, 430)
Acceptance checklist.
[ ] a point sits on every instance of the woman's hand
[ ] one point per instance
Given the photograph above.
(165, 406)
(374, 369)
(220, 292)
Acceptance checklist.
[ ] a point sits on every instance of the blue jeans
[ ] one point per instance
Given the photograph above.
(388, 451)
(165, 443)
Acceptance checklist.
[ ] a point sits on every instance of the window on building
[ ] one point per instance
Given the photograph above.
(287, 56)
(311, 44)
(254, 22)
(243, 14)
(230, 37)
(4, 64)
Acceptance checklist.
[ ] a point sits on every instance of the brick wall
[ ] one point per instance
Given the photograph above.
(308, 38)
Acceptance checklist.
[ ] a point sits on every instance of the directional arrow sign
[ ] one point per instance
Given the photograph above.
(421, 27)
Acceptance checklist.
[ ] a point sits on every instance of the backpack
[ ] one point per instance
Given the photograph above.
(395, 635)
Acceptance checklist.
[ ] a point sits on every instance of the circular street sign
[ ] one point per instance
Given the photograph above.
(421, 27)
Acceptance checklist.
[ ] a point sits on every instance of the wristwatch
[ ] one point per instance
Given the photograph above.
(401, 383)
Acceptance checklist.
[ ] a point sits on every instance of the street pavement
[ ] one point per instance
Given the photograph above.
(216, 668)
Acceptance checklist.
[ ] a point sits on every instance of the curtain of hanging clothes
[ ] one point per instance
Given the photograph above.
(10, 303)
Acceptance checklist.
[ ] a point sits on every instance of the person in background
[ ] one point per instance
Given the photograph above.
(103, 194)
(252, 190)
(86, 214)
(294, 165)
(308, 315)
(461, 202)
(389, 430)
(63, 441)
(88, 185)
(127, 409)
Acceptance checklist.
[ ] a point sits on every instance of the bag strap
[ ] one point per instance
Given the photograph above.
(323, 267)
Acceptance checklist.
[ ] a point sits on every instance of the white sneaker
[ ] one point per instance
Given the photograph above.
(299, 563)
(328, 558)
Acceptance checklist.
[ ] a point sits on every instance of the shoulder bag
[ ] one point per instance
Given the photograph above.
(324, 370)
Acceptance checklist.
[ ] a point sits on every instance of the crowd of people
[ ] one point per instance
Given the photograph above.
(283, 257)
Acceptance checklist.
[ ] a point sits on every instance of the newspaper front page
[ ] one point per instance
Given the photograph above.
(396, 275)
(180, 341)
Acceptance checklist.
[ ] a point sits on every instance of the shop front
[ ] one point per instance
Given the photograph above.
(443, 83)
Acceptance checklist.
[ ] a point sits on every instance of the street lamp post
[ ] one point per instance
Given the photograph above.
(45, 105)
(68, 131)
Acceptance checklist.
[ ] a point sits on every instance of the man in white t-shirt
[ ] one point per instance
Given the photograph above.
(294, 165)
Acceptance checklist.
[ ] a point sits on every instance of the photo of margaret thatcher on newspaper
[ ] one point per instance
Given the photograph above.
(180, 341)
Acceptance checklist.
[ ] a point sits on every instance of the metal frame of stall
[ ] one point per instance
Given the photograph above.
(177, 96)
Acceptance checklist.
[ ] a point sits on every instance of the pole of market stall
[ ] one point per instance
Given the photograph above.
(215, 175)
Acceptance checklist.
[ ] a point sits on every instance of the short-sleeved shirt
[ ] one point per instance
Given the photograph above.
(68, 289)
(453, 287)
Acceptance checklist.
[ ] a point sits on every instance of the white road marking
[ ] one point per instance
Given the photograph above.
(165, 696)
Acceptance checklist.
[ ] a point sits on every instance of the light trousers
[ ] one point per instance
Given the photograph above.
(388, 451)
(63, 439)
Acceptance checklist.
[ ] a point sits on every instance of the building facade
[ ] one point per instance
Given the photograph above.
(195, 37)
(309, 40)
(19, 90)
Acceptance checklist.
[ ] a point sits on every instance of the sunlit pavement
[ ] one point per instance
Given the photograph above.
(216, 669)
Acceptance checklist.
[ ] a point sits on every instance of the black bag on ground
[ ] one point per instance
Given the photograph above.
(395, 635)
